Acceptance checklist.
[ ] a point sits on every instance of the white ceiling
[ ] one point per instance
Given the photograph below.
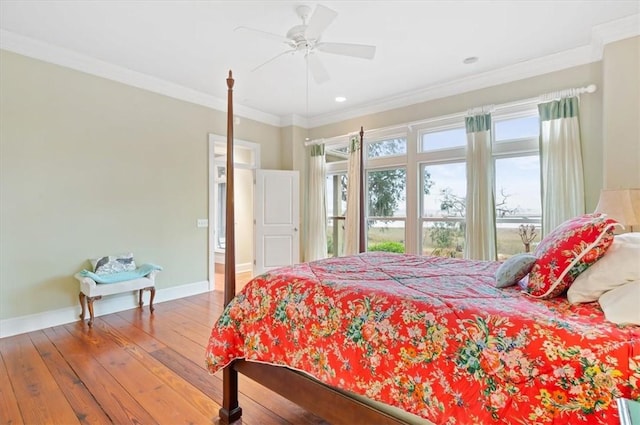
(185, 48)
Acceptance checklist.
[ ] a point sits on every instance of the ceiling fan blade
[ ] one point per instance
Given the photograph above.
(272, 59)
(319, 72)
(358, 50)
(319, 21)
(264, 34)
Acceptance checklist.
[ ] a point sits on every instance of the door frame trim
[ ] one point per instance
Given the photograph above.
(213, 140)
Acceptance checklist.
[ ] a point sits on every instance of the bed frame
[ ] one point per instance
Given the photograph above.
(332, 405)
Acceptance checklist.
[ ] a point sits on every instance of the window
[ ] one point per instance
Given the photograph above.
(416, 185)
(336, 210)
(517, 182)
(385, 179)
(443, 191)
(387, 147)
(443, 184)
(516, 128)
(339, 155)
(386, 209)
(517, 201)
(444, 139)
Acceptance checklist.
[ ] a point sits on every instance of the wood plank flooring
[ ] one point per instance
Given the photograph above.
(132, 367)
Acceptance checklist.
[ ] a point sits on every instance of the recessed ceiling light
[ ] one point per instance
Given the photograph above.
(470, 60)
(340, 99)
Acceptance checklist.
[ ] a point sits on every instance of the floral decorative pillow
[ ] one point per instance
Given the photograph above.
(514, 269)
(114, 264)
(568, 251)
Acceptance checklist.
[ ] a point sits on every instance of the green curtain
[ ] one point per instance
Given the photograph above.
(560, 162)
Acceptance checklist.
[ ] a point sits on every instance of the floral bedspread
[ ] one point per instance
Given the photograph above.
(433, 336)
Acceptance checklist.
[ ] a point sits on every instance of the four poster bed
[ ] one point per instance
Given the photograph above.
(379, 338)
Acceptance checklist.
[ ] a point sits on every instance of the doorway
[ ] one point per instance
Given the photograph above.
(246, 157)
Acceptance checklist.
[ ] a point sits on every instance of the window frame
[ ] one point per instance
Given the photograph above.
(422, 219)
(515, 148)
(368, 218)
(416, 158)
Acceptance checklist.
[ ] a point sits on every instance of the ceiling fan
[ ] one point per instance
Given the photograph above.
(305, 38)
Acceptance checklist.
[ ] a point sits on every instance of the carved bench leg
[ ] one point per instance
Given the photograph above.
(152, 290)
(153, 294)
(82, 305)
(90, 302)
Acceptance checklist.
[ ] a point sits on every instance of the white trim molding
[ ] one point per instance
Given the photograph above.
(294, 121)
(531, 68)
(601, 35)
(107, 305)
(64, 57)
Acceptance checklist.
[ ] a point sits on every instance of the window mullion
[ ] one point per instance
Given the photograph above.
(412, 231)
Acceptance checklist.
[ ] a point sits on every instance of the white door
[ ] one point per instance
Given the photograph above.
(277, 218)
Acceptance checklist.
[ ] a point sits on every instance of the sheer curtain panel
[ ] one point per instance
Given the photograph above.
(316, 240)
(560, 162)
(480, 234)
(352, 221)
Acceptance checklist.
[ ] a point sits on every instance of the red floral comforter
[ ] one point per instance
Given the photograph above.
(433, 336)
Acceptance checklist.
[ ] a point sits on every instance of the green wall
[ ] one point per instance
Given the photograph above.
(91, 167)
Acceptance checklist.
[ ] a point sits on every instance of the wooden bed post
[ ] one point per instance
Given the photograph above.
(362, 243)
(308, 393)
(230, 410)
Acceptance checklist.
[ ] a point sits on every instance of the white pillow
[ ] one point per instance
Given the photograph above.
(620, 264)
(622, 305)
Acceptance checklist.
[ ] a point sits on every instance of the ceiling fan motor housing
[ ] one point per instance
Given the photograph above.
(296, 34)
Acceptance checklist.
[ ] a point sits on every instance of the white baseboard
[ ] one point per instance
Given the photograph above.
(219, 257)
(244, 267)
(240, 267)
(107, 305)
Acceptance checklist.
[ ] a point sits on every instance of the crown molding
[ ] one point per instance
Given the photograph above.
(601, 35)
(519, 71)
(610, 32)
(64, 57)
(294, 120)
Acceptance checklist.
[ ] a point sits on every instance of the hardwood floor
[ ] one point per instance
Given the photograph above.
(131, 367)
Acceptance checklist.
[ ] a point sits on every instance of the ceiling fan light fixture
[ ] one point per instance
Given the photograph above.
(340, 99)
(305, 39)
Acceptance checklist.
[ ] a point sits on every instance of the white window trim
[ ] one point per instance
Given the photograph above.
(415, 158)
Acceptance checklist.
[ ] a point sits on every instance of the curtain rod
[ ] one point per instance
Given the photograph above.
(575, 91)
(546, 97)
(331, 139)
